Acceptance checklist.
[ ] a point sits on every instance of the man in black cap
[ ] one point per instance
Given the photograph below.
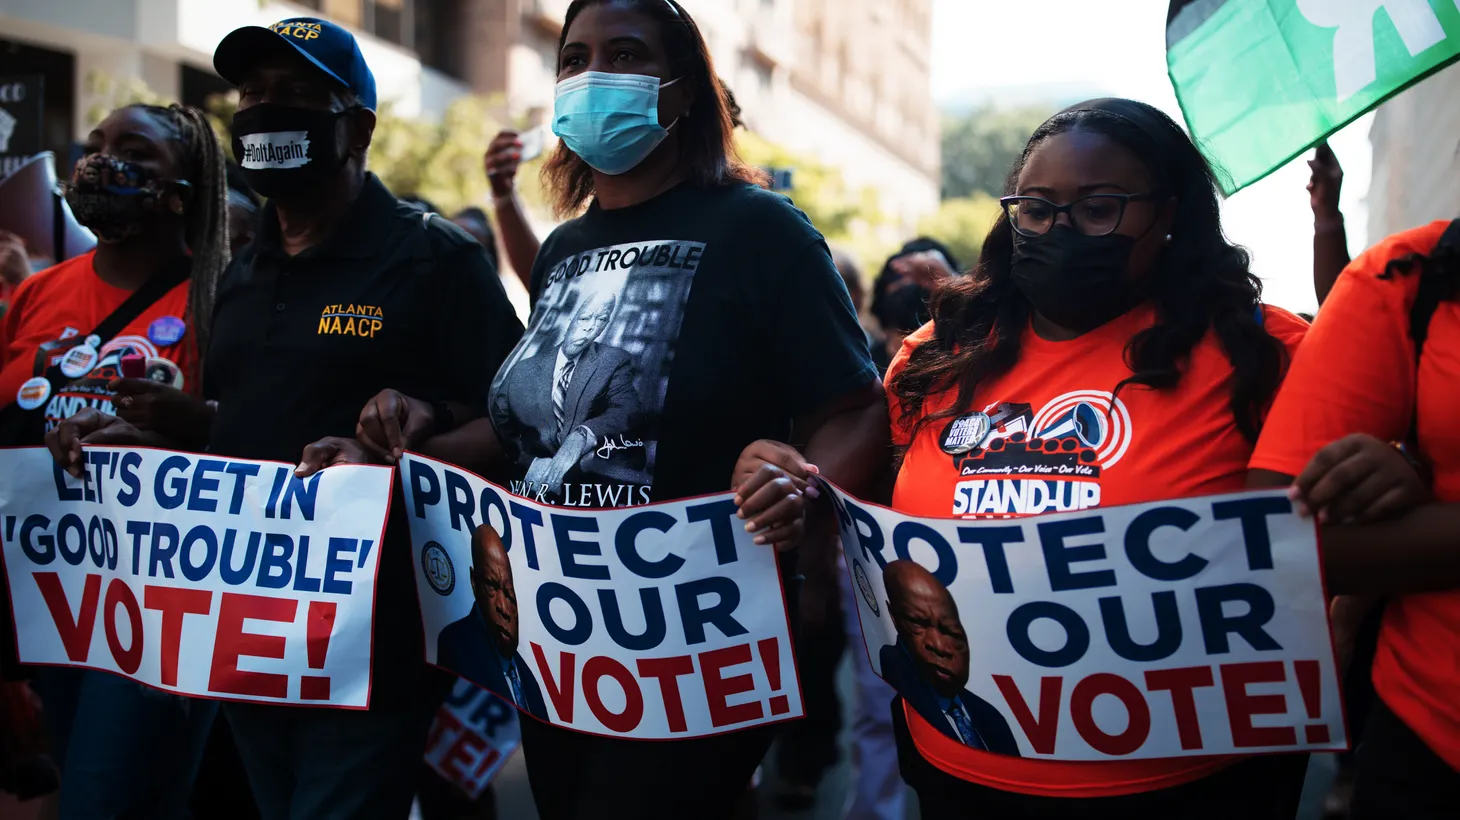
(345, 296)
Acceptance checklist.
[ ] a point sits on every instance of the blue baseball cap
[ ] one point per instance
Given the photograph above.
(326, 46)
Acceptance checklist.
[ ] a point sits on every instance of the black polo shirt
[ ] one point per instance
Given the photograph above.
(301, 343)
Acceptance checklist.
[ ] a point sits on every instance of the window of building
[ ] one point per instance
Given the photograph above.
(439, 38)
(390, 20)
(313, 5)
(763, 77)
(44, 119)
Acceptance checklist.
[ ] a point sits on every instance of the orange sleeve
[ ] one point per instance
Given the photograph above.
(900, 430)
(1355, 370)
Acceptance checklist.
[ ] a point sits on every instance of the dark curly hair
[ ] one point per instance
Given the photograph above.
(1201, 283)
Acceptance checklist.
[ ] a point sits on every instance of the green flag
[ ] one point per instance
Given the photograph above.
(1262, 81)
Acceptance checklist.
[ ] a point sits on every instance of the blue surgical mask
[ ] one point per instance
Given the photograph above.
(610, 120)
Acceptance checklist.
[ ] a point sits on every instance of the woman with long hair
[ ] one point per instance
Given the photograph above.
(151, 186)
(1109, 329)
(688, 326)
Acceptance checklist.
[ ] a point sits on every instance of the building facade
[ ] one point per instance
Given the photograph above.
(1416, 139)
(845, 81)
(168, 46)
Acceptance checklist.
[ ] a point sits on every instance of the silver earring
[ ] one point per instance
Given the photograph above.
(1168, 239)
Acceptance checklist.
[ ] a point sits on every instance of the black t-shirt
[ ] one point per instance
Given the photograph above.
(666, 337)
(300, 343)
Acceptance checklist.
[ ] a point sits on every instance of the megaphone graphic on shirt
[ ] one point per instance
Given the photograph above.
(1081, 423)
(32, 207)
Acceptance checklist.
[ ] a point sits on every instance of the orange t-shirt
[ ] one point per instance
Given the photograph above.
(66, 302)
(1357, 374)
(1144, 446)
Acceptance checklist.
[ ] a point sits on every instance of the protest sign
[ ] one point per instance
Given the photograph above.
(1172, 629)
(209, 577)
(473, 735)
(655, 622)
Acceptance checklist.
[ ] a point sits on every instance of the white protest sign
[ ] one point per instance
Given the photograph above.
(209, 577)
(1172, 629)
(661, 621)
(473, 735)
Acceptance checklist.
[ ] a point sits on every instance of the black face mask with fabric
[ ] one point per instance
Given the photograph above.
(283, 149)
(1078, 282)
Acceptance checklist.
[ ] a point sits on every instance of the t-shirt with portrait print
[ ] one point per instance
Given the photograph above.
(667, 336)
(1048, 436)
(55, 309)
(1357, 373)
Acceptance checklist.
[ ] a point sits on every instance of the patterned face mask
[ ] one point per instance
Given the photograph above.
(115, 198)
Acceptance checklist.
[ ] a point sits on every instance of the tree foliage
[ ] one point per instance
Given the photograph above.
(962, 224)
(108, 93)
(849, 218)
(981, 147)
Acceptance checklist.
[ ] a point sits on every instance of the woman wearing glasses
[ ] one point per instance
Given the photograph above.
(1109, 327)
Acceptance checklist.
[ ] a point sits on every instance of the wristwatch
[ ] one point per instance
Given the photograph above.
(1420, 468)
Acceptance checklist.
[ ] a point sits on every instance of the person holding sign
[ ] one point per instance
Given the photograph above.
(1109, 348)
(151, 185)
(345, 294)
(482, 647)
(723, 321)
(1390, 327)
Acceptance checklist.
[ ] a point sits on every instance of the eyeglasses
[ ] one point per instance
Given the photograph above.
(1094, 215)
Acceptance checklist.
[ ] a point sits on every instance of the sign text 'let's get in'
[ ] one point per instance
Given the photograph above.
(208, 577)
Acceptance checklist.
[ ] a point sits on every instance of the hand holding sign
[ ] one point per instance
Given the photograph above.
(331, 451)
(89, 426)
(392, 423)
(769, 480)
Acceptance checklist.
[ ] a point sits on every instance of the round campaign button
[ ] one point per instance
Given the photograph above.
(33, 393)
(965, 433)
(163, 371)
(79, 360)
(166, 331)
(864, 586)
(436, 565)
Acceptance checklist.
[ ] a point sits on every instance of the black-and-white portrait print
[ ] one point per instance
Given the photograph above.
(577, 403)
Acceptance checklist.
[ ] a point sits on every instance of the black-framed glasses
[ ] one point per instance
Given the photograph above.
(1093, 215)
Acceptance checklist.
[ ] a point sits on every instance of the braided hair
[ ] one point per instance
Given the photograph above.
(205, 213)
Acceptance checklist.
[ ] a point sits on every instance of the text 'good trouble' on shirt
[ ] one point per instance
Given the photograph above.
(1049, 436)
(667, 336)
(1357, 374)
(55, 310)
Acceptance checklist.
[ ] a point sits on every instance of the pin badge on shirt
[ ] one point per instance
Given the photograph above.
(166, 331)
(966, 433)
(163, 371)
(79, 360)
(33, 393)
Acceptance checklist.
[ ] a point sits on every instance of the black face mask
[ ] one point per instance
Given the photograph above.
(1078, 282)
(283, 149)
(115, 198)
